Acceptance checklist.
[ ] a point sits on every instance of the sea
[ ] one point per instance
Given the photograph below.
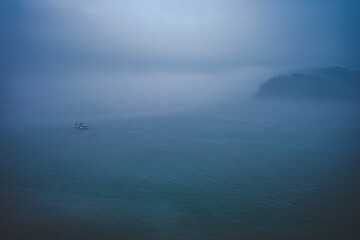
(253, 170)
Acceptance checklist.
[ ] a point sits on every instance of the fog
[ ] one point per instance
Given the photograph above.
(202, 119)
(164, 56)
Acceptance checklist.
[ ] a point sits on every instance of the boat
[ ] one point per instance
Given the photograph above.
(80, 125)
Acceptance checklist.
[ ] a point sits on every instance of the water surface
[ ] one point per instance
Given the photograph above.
(254, 171)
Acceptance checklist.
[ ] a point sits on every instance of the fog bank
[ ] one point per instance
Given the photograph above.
(164, 55)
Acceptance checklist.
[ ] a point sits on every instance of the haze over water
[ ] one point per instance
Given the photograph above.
(179, 147)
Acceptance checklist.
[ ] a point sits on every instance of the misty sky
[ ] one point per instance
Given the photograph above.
(163, 51)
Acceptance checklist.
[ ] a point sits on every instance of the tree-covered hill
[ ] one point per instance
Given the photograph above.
(325, 83)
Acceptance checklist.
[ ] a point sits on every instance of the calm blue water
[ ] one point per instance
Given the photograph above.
(247, 172)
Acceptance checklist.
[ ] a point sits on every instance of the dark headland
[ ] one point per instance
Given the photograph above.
(325, 83)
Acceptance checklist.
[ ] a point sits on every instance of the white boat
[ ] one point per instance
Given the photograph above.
(80, 125)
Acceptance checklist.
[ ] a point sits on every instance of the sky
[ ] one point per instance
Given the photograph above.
(163, 54)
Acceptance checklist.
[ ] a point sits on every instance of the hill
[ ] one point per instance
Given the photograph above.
(325, 83)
